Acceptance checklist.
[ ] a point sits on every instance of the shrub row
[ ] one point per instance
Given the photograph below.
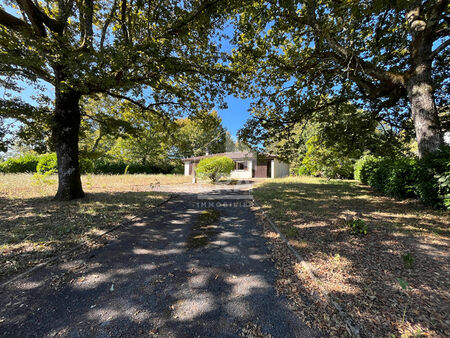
(31, 163)
(23, 164)
(107, 167)
(408, 177)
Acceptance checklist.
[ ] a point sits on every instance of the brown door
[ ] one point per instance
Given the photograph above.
(190, 168)
(263, 168)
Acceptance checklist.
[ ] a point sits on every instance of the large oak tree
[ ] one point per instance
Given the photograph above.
(388, 57)
(157, 55)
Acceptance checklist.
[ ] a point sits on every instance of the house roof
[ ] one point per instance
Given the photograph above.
(234, 155)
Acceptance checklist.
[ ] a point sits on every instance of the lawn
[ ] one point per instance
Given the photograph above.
(392, 281)
(34, 228)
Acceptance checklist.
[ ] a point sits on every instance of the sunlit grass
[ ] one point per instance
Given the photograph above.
(26, 186)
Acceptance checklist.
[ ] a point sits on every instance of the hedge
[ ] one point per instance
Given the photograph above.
(408, 177)
(24, 164)
(111, 167)
(47, 163)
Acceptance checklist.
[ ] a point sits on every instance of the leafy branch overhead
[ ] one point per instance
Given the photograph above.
(157, 55)
(384, 57)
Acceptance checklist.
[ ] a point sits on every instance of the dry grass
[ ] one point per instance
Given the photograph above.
(363, 272)
(33, 227)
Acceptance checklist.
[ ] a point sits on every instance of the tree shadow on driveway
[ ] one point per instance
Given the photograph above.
(149, 282)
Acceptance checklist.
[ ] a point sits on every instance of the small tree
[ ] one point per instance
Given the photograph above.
(215, 167)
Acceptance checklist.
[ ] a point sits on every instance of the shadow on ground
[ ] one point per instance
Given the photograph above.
(149, 282)
(363, 272)
(33, 229)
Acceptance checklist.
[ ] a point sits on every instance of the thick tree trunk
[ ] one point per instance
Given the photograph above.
(66, 125)
(423, 109)
(419, 85)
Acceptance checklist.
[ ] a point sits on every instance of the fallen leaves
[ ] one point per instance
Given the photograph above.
(360, 273)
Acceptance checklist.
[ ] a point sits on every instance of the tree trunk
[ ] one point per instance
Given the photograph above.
(423, 109)
(419, 85)
(66, 125)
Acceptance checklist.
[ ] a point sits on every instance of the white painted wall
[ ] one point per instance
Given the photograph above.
(279, 168)
(238, 174)
(186, 168)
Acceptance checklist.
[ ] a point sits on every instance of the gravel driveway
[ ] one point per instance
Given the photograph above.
(149, 282)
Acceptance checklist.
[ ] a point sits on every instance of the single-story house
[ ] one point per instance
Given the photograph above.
(247, 165)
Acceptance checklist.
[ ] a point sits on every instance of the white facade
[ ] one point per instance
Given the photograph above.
(279, 168)
(245, 173)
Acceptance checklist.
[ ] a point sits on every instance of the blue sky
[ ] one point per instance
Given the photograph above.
(236, 115)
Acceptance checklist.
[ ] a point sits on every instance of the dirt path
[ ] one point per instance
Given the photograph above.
(149, 281)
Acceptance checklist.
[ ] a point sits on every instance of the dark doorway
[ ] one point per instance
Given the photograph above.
(263, 168)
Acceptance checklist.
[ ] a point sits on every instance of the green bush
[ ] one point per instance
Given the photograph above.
(47, 164)
(86, 165)
(363, 167)
(325, 161)
(102, 166)
(401, 178)
(303, 171)
(434, 173)
(427, 179)
(24, 164)
(215, 167)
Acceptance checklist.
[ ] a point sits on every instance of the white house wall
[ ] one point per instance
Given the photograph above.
(279, 168)
(186, 168)
(239, 174)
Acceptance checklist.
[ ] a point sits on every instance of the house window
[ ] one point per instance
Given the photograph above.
(241, 165)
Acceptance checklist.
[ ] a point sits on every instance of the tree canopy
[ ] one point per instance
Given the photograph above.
(389, 58)
(157, 55)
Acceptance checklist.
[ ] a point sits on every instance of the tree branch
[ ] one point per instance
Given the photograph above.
(38, 18)
(138, 104)
(440, 48)
(180, 23)
(348, 56)
(12, 22)
(107, 23)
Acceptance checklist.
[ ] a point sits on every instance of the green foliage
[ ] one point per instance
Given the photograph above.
(195, 136)
(301, 61)
(328, 142)
(358, 227)
(215, 167)
(102, 166)
(403, 284)
(433, 185)
(329, 162)
(408, 260)
(47, 164)
(303, 171)
(23, 164)
(408, 177)
(363, 167)
(86, 165)
(46, 167)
